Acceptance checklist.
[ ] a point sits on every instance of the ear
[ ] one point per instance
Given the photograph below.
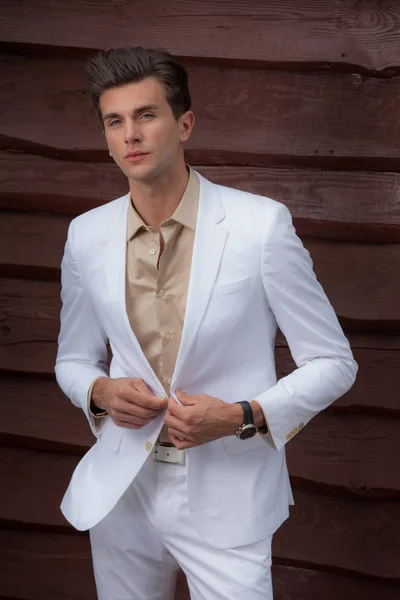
(186, 124)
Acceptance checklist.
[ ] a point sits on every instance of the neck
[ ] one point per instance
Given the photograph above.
(157, 200)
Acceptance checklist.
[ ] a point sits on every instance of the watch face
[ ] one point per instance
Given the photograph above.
(248, 431)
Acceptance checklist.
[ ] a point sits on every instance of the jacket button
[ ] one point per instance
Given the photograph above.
(148, 445)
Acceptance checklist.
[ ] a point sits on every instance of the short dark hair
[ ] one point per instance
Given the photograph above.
(120, 66)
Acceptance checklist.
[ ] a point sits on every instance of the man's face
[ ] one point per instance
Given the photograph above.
(142, 134)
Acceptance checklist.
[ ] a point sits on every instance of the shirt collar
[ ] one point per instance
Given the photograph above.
(185, 213)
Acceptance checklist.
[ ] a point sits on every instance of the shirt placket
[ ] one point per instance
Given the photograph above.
(167, 332)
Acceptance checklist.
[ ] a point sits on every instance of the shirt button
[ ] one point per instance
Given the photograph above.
(169, 380)
(152, 251)
(161, 293)
(168, 336)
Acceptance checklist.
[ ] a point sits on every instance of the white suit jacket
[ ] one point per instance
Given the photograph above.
(250, 273)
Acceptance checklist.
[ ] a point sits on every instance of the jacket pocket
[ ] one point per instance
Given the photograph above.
(230, 288)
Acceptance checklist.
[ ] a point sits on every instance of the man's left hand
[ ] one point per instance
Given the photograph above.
(200, 419)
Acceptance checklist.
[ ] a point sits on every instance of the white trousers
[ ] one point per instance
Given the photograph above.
(138, 547)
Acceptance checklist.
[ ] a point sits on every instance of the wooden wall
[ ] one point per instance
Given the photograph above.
(298, 100)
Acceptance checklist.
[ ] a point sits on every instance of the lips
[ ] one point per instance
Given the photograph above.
(135, 156)
(136, 153)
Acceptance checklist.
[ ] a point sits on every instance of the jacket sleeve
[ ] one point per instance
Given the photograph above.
(82, 342)
(326, 368)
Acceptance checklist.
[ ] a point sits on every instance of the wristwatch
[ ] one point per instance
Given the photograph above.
(248, 429)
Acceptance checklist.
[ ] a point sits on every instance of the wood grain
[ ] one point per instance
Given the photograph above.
(341, 534)
(336, 34)
(357, 206)
(349, 452)
(29, 329)
(294, 583)
(325, 530)
(35, 413)
(296, 101)
(32, 245)
(68, 573)
(376, 388)
(298, 119)
(361, 282)
(37, 565)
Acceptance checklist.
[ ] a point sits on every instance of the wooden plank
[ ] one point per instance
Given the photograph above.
(342, 451)
(30, 327)
(346, 205)
(32, 245)
(374, 335)
(324, 531)
(31, 309)
(341, 533)
(361, 280)
(341, 33)
(293, 583)
(35, 413)
(359, 277)
(33, 484)
(348, 451)
(62, 426)
(376, 386)
(43, 566)
(36, 565)
(285, 115)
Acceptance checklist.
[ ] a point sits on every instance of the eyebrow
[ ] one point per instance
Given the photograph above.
(136, 112)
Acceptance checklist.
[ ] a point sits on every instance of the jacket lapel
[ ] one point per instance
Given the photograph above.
(209, 244)
(115, 271)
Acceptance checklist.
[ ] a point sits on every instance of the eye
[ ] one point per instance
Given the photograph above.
(147, 116)
(114, 122)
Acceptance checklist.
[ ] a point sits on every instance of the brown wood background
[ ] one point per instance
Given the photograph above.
(298, 100)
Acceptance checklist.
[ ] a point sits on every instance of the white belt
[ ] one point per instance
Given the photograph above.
(170, 454)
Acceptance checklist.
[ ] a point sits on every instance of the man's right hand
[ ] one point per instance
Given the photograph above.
(128, 401)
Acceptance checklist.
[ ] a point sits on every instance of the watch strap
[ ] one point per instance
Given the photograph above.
(247, 412)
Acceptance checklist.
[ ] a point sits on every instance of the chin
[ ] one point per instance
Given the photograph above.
(143, 173)
(138, 172)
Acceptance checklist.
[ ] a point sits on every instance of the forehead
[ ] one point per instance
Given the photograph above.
(133, 95)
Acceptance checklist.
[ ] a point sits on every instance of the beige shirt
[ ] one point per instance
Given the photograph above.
(157, 283)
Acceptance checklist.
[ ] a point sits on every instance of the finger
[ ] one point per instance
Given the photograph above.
(129, 408)
(182, 444)
(175, 408)
(172, 421)
(177, 428)
(149, 401)
(184, 398)
(126, 425)
(139, 385)
(146, 395)
(124, 418)
(176, 433)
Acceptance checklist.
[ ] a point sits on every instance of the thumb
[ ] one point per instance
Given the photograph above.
(183, 397)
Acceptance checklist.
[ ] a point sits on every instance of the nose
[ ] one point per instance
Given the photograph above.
(132, 132)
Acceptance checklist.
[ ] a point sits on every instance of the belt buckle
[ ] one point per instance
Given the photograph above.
(163, 452)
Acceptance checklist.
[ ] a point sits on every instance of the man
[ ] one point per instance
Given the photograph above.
(187, 281)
